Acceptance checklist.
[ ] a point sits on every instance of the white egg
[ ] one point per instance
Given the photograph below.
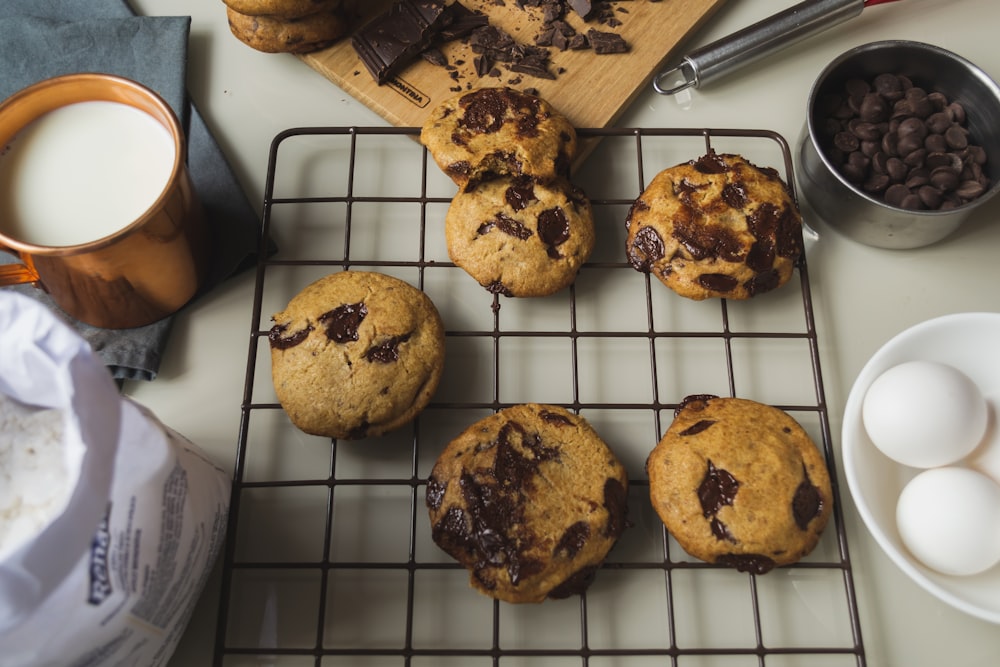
(924, 414)
(949, 519)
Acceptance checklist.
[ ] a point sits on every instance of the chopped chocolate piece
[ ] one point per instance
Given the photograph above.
(493, 42)
(536, 65)
(483, 65)
(434, 57)
(606, 42)
(343, 321)
(582, 7)
(461, 22)
(391, 40)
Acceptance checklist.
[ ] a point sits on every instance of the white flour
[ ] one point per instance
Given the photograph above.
(34, 481)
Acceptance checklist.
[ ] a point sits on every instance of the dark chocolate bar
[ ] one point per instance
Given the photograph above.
(391, 40)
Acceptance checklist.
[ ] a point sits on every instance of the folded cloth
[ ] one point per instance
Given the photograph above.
(45, 38)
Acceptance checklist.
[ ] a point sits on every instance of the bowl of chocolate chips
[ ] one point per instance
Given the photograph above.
(901, 143)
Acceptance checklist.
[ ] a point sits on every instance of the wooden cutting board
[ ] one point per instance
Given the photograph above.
(591, 90)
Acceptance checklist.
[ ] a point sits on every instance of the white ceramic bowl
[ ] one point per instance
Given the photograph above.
(969, 342)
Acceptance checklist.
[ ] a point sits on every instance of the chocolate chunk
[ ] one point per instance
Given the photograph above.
(434, 57)
(717, 489)
(485, 110)
(553, 230)
(807, 502)
(762, 282)
(460, 21)
(520, 194)
(752, 563)
(646, 249)
(710, 163)
(279, 341)
(573, 539)
(606, 42)
(550, 417)
(535, 64)
(387, 351)
(717, 282)
(435, 493)
(499, 46)
(760, 258)
(698, 427)
(512, 227)
(735, 195)
(582, 7)
(616, 503)
(343, 321)
(391, 40)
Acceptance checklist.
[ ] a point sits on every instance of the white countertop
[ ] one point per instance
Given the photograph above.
(862, 296)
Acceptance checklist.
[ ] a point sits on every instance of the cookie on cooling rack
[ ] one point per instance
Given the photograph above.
(740, 483)
(717, 226)
(520, 238)
(530, 500)
(281, 34)
(356, 354)
(491, 132)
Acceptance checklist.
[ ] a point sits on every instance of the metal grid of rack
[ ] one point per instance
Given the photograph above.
(329, 560)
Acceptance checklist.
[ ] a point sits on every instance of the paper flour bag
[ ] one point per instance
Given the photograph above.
(109, 521)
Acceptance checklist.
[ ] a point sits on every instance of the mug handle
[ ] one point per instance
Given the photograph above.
(17, 274)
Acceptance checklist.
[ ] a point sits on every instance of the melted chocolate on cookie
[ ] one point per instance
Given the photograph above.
(343, 321)
(387, 351)
(279, 341)
(520, 194)
(485, 111)
(646, 249)
(553, 230)
(807, 502)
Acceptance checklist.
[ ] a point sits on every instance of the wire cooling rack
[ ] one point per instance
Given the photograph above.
(329, 559)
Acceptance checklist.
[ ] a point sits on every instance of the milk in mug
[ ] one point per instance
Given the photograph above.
(82, 172)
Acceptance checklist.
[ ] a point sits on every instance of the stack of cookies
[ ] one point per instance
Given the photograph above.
(517, 225)
(287, 26)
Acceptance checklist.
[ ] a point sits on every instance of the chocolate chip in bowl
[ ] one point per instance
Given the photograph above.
(899, 143)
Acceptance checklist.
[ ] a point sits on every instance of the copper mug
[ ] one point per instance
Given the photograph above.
(136, 274)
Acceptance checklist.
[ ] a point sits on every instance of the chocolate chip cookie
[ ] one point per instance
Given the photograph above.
(274, 34)
(717, 226)
(530, 500)
(520, 238)
(739, 483)
(492, 132)
(356, 354)
(282, 8)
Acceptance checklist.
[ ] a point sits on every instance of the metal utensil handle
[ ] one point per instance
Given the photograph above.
(754, 42)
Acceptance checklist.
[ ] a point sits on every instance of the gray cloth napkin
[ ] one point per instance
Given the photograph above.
(45, 38)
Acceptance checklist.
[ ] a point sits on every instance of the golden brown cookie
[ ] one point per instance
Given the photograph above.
(740, 483)
(530, 500)
(718, 226)
(272, 34)
(356, 354)
(282, 8)
(520, 238)
(490, 132)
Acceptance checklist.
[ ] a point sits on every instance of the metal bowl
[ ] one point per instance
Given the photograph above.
(866, 217)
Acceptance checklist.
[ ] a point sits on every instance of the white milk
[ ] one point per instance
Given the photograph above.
(82, 172)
